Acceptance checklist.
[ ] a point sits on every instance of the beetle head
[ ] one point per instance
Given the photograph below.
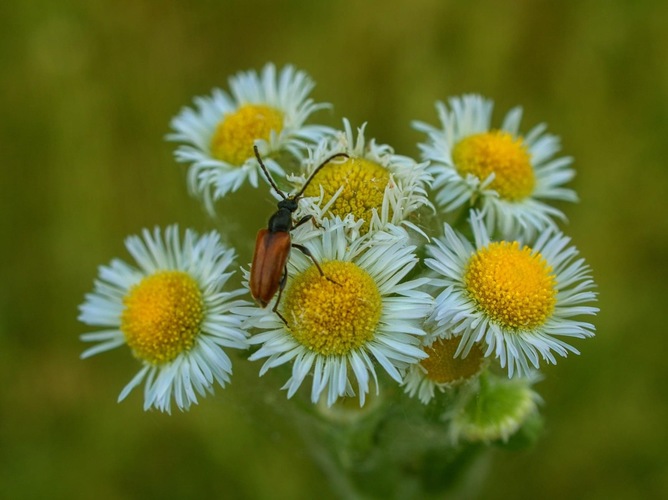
(289, 204)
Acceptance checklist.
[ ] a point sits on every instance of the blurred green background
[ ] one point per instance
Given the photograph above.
(86, 93)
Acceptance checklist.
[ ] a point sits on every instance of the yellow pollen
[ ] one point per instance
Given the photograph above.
(363, 184)
(332, 318)
(443, 368)
(233, 140)
(162, 316)
(501, 154)
(513, 286)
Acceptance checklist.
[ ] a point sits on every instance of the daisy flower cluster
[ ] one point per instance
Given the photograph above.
(442, 278)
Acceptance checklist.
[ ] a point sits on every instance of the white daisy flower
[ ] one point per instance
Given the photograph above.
(373, 184)
(510, 177)
(269, 110)
(441, 370)
(517, 300)
(360, 313)
(172, 312)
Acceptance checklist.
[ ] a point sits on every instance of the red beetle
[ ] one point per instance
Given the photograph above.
(269, 270)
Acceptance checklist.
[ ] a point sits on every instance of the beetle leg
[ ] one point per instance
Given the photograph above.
(308, 253)
(281, 286)
(303, 220)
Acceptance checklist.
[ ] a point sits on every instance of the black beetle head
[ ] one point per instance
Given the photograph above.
(289, 204)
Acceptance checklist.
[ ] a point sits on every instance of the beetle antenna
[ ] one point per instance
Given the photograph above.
(267, 174)
(310, 178)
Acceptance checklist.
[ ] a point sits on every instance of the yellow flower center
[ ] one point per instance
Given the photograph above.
(333, 318)
(363, 184)
(442, 366)
(233, 140)
(162, 316)
(515, 288)
(501, 154)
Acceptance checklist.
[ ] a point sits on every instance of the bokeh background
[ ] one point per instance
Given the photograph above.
(87, 90)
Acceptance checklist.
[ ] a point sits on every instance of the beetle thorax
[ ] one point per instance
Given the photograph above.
(281, 220)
